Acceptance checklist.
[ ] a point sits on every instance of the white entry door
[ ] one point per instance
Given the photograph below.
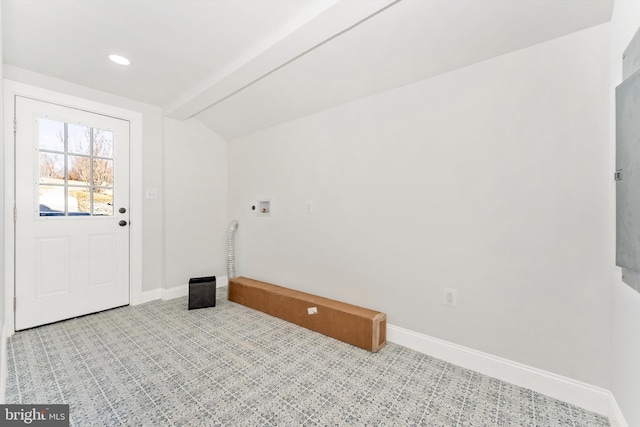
(72, 213)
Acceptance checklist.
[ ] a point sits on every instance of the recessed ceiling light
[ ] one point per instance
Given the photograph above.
(119, 59)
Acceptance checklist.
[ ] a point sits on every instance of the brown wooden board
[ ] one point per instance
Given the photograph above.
(355, 325)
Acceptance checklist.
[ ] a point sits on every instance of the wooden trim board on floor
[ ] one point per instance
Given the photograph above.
(355, 325)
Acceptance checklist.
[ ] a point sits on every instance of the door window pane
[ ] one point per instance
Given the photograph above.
(51, 168)
(51, 200)
(102, 143)
(103, 201)
(79, 200)
(102, 173)
(79, 170)
(79, 139)
(50, 135)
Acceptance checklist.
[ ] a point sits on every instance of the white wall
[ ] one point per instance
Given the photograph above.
(625, 302)
(195, 203)
(488, 179)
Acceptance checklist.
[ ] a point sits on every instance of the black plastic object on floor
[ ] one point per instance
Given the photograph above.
(202, 292)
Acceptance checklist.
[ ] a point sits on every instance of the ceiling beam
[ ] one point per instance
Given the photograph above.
(333, 20)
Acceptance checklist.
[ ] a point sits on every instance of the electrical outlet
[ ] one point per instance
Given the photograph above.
(450, 297)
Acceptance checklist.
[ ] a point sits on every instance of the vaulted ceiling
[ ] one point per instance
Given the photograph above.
(243, 65)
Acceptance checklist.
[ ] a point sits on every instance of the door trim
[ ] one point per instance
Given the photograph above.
(13, 89)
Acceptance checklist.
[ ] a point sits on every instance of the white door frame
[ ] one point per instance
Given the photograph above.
(13, 89)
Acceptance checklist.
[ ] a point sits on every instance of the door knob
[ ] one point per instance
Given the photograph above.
(122, 223)
(122, 210)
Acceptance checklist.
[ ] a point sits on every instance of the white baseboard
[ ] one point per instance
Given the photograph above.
(176, 291)
(592, 398)
(616, 418)
(150, 296)
(222, 281)
(3, 362)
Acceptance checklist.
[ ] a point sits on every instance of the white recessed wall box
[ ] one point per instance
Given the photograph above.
(262, 207)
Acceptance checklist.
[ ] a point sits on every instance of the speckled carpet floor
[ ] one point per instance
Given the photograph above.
(159, 364)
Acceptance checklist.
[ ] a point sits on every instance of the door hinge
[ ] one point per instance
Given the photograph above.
(618, 175)
(14, 303)
(15, 214)
(15, 125)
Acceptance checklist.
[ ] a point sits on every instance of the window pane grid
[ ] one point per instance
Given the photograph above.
(79, 180)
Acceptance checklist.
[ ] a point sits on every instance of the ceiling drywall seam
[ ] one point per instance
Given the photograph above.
(333, 22)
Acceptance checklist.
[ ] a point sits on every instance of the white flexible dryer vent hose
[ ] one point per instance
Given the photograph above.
(231, 255)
